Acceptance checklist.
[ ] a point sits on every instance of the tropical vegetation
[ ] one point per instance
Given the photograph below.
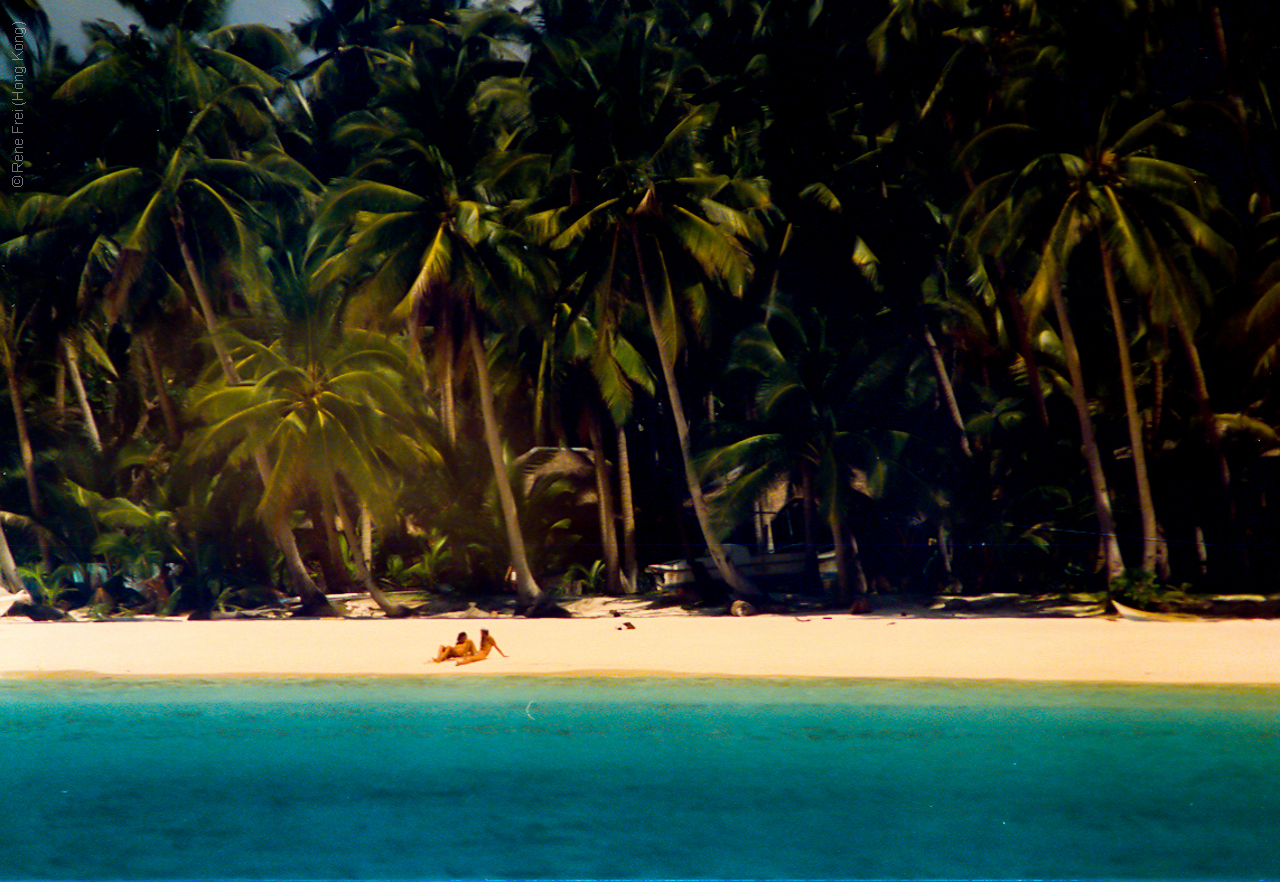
(436, 299)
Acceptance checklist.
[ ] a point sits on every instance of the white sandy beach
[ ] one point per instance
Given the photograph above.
(1094, 649)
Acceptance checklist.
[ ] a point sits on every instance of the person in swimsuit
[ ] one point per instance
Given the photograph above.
(487, 645)
(464, 648)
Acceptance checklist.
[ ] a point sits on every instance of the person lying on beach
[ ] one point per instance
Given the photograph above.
(464, 648)
(487, 645)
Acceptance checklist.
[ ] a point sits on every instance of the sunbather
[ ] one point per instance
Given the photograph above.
(463, 649)
(487, 645)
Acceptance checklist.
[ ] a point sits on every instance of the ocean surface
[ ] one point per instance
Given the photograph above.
(635, 778)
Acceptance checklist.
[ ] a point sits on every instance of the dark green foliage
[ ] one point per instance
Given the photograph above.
(841, 225)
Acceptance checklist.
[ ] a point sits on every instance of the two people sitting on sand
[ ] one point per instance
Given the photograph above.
(464, 648)
(465, 651)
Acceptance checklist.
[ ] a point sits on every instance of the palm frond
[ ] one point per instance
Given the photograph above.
(1062, 240)
(719, 254)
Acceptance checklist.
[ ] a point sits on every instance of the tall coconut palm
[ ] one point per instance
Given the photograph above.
(661, 223)
(636, 209)
(406, 254)
(1142, 214)
(603, 368)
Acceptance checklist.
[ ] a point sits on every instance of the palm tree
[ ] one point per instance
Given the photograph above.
(604, 369)
(802, 380)
(661, 223)
(1144, 215)
(636, 210)
(196, 181)
(431, 252)
(331, 414)
(11, 334)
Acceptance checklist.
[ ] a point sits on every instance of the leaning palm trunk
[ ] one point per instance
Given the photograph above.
(630, 564)
(60, 392)
(333, 565)
(1200, 389)
(526, 586)
(167, 410)
(82, 398)
(727, 570)
(202, 296)
(313, 599)
(948, 391)
(363, 576)
(8, 566)
(1112, 560)
(448, 402)
(28, 461)
(1151, 545)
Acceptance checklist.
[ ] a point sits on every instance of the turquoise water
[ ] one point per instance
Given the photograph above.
(636, 778)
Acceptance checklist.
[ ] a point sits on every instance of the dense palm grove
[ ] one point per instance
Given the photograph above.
(980, 295)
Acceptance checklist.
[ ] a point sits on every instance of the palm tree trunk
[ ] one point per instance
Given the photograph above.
(82, 397)
(60, 393)
(202, 295)
(604, 506)
(8, 566)
(1138, 444)
(448, 403)
(1209, 425)
(313, 600)
(848, 560)
(363, 576)
(337, 578)
(28, 462)
(630, 562)
(526, 586)
(366, 534)
(944, 550)
(948, 391)
(1113, 562)
(666, 357)
(170, 413)
(540, 391)
(1156, 424)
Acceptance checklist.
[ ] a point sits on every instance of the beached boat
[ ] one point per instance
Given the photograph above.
(1138, 615)
(767, 570)
(8, 600)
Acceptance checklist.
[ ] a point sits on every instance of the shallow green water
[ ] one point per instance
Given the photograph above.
(636, 778)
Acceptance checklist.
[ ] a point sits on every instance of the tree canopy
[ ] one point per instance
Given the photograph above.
(987, 289)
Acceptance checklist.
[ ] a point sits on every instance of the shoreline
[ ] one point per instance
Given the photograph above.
(1093, 649)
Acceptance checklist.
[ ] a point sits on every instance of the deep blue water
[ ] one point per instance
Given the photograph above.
(636, 778)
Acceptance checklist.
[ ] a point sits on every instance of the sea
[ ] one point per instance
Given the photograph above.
(635, 778)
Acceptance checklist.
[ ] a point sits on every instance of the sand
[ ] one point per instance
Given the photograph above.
(883, 646)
